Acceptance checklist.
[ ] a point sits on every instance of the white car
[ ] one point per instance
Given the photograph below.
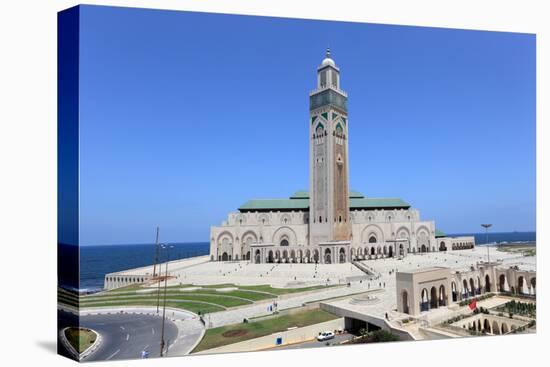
(325, 335)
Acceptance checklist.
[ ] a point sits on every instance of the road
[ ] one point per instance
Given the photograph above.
(124, 336)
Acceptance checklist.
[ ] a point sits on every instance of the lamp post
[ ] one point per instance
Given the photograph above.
(167, 248)
(487, 226)
(156, 255)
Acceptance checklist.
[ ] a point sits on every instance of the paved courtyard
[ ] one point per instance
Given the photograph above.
(381, 285)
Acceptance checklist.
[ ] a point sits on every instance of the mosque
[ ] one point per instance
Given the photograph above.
(329, 223)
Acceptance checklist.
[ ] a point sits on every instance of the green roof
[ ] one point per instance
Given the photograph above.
(275, 204)
(439, 233)
(300, 194)
(356, 195)
(304, 194)
(300, 201)
(371, 203)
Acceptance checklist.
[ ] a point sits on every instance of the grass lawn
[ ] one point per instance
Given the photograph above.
(189, 306)
(253, 296)
(80, 339)
(131, 287)
(131, 296)
(210, 298)
(239, 332)
(279, 291)
(525, 250)
(67, 298)
(269, 289)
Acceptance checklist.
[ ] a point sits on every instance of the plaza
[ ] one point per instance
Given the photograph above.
(372, 263)
(367, 287)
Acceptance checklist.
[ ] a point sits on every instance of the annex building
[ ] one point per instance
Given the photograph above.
(329, 223)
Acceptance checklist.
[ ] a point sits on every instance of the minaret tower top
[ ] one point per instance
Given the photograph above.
(328, 90)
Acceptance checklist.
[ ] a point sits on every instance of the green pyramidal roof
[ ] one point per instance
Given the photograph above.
(304, 194)
(439, 233)
(300, 201)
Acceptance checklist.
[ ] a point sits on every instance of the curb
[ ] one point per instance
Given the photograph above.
(90, 350)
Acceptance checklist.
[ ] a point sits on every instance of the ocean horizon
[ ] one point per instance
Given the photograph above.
(98, 260)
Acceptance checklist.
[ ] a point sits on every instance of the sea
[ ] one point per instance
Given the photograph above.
(96, 261)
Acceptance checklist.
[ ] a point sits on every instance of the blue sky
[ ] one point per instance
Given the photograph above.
(185, 116)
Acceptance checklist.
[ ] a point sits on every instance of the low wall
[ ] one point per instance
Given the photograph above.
(288, 337)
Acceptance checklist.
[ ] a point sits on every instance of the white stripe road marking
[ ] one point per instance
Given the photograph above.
(122, 328)
(112, 355)
(145, 347)
(127, 336)
(153, 331)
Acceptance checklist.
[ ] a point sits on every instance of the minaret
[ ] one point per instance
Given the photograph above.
(329, 218)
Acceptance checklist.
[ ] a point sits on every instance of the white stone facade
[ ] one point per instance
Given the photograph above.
(425, 289)
(328, 224)
(375, 234)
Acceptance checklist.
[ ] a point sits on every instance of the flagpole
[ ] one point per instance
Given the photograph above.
(486, 226)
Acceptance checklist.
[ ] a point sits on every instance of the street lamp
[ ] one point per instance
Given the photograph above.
(156, 255)
(167, 248)
(487, 226)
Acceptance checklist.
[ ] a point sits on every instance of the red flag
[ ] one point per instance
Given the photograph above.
(473, 304)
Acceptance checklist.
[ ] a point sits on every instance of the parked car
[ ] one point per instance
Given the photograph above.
(325, 335)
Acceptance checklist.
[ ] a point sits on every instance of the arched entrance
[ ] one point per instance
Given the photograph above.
(316, 256)
(496, 329)
(270, 257)
(401, 250)
(442, 296)
(423, 248)
(487, 283)
(342, 255)
(225, 256)
(472, 287)
(327, 256)
(454, 292)
(405, 300)
(433, 298)
(442, 246)
(390, 251)
(257, 257)
(534, 286)
(504, 328)
(502, 283)
(521, 285)
(486, 326)
(465, 293)
(372, 251)
(424, 300)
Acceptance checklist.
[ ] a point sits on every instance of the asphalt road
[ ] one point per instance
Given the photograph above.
(124, 336)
